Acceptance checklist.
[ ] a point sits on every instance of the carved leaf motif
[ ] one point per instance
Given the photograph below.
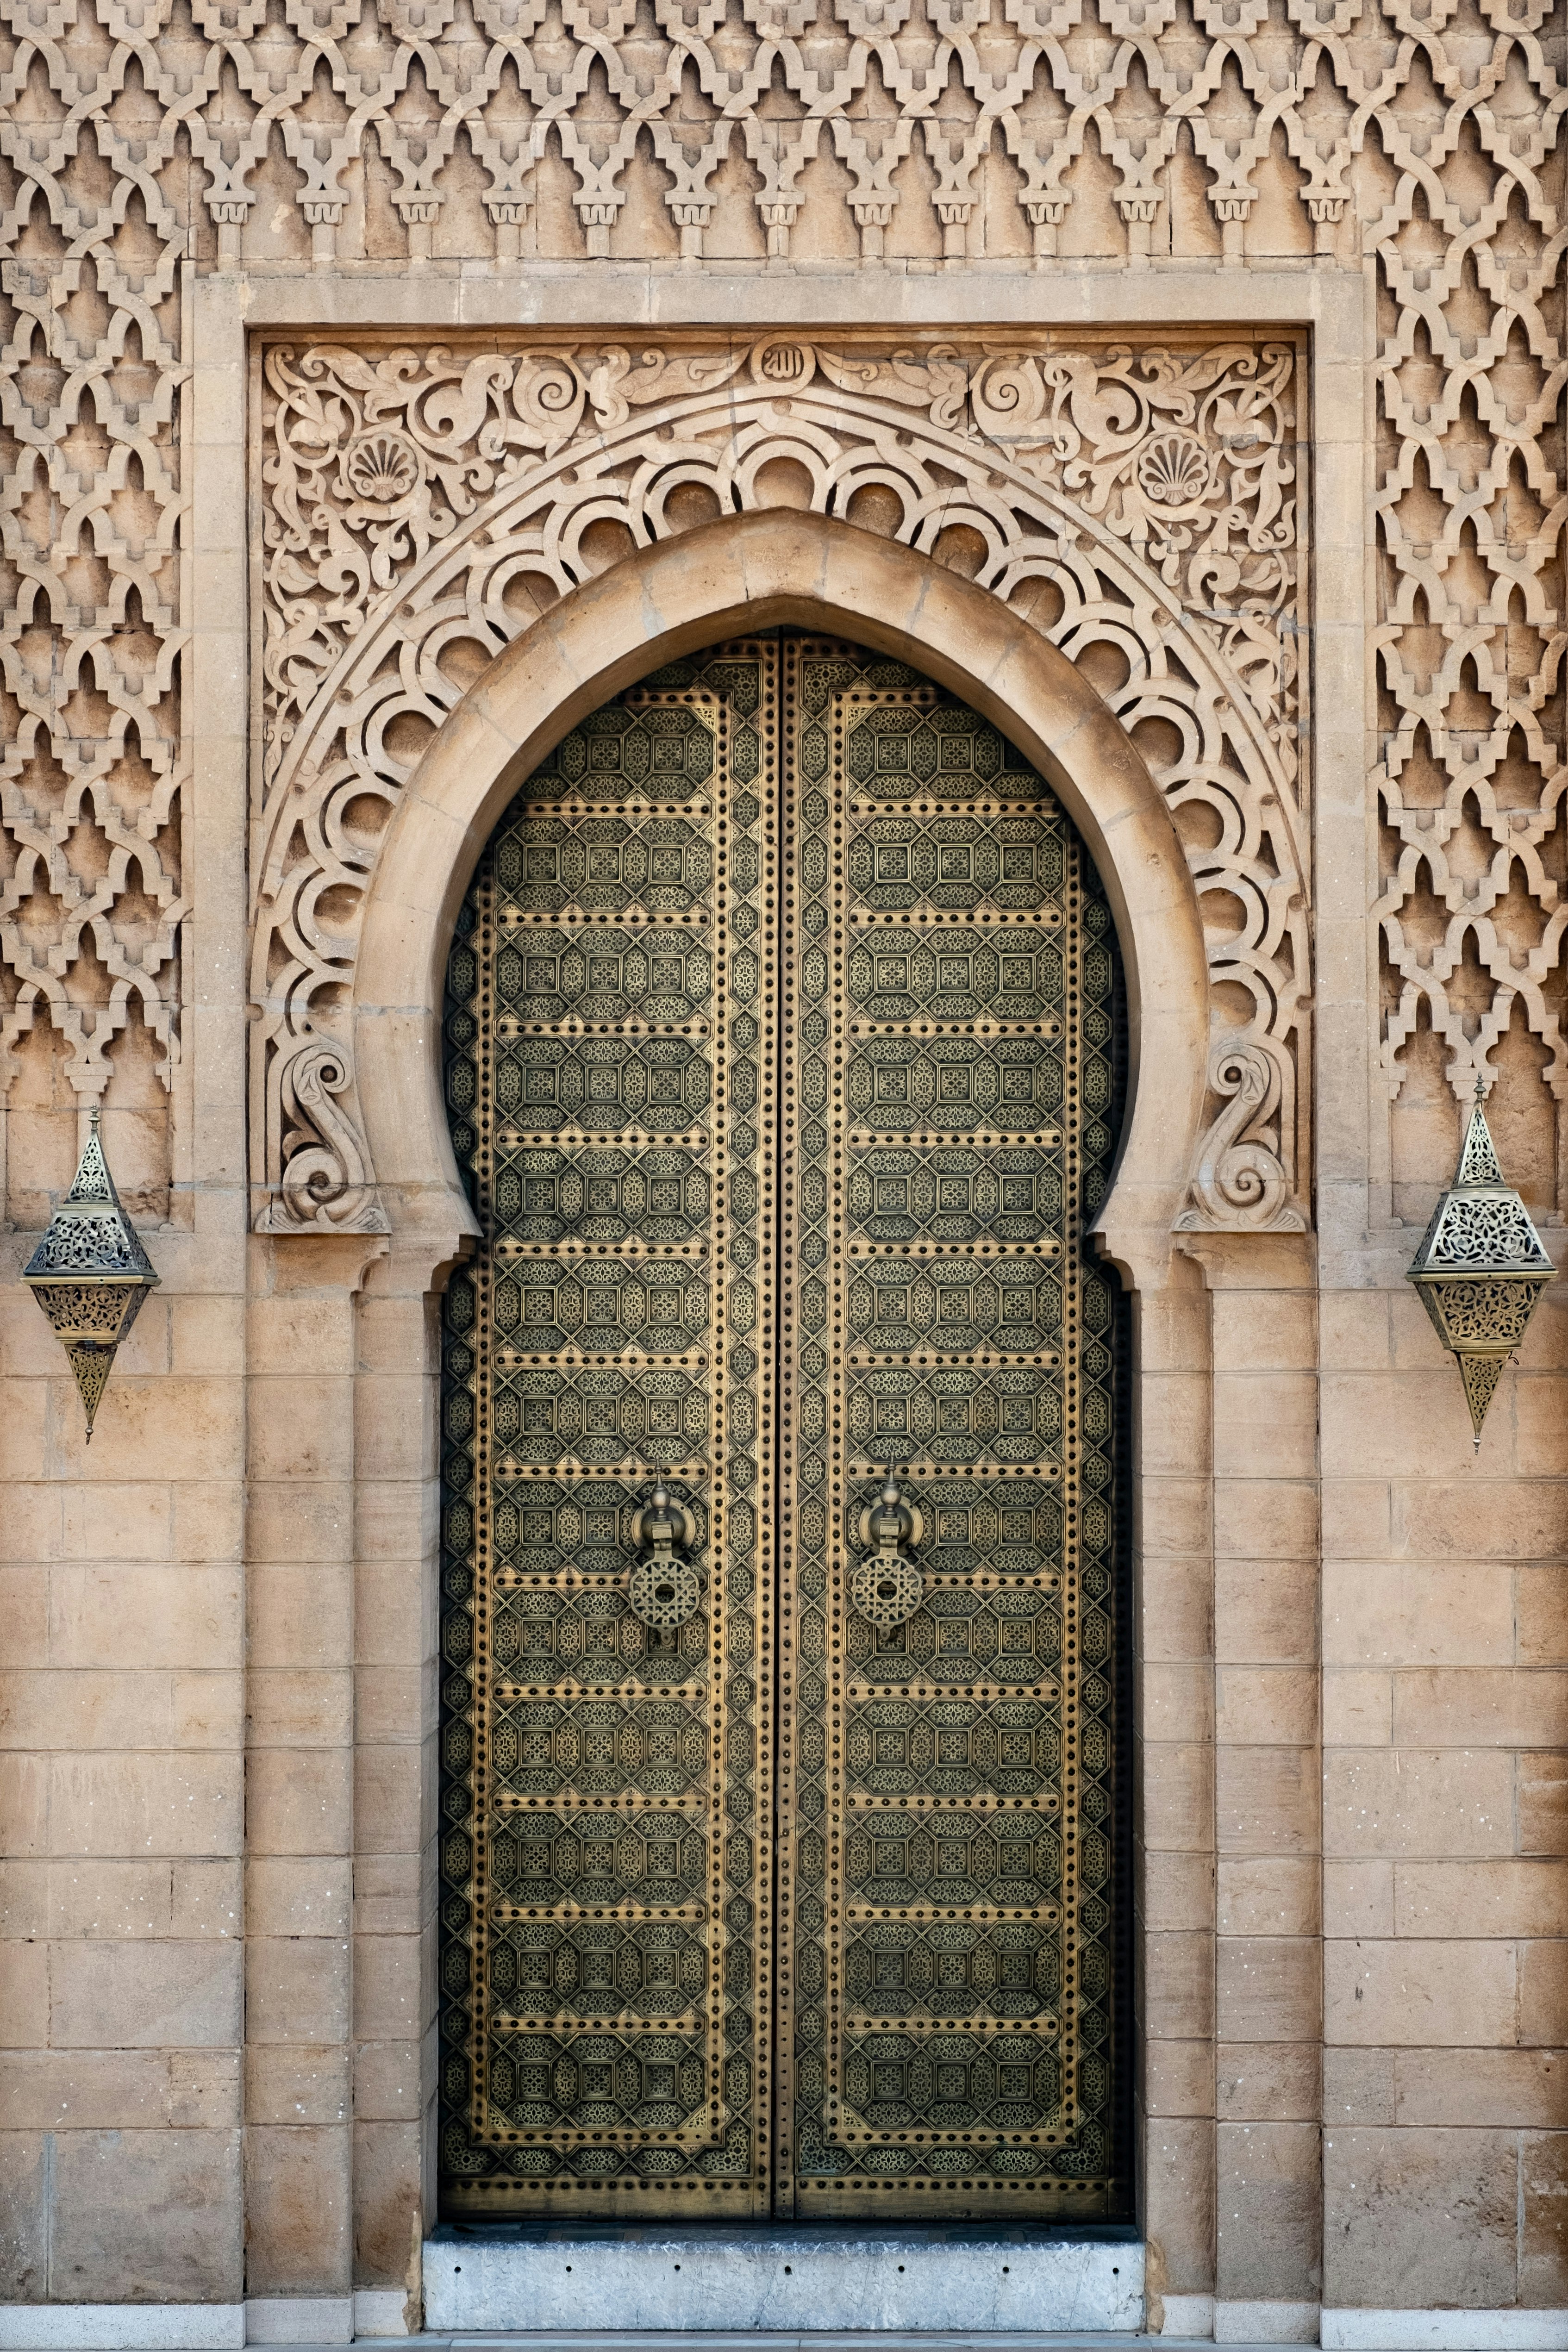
(379, 473)
(1174, 472)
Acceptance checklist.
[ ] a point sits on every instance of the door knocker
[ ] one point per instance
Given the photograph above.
(664, 1589)
(887, 1585)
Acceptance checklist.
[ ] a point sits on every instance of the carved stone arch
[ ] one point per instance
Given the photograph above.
(445, 534)
(749, 572)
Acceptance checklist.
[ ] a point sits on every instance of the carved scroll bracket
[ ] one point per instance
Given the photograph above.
(1239, 1178)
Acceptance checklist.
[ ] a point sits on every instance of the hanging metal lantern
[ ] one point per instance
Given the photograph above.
(1481, 1269)
(89, 1274)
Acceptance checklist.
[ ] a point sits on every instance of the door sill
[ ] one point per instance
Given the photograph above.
(915, 2282)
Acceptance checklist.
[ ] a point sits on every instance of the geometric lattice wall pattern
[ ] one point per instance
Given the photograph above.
(94, 228)
(1423, 147)
(1138, 507)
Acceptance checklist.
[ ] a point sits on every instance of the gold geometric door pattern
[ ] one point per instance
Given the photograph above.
(784, 1793)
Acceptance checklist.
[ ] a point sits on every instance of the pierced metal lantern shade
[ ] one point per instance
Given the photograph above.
(1481, 1269)
(89, 1274)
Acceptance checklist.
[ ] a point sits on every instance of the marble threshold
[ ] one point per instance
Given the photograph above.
(961, 2281)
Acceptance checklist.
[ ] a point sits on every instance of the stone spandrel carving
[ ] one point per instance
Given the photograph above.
(1138, 507)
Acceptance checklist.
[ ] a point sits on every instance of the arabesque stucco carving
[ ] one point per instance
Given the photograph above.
(1138, 507)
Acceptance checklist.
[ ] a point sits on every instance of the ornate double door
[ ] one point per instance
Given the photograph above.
(784, 1795)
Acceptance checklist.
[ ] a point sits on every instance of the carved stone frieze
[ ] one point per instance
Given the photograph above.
(1140, 507)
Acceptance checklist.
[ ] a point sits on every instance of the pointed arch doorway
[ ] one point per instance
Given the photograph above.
(784, 1631)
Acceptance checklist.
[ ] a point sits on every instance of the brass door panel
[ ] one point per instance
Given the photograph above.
(607, 1864)
(947, 1781)
(781, 1059)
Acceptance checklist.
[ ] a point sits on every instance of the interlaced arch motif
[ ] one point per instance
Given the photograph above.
(420, 509)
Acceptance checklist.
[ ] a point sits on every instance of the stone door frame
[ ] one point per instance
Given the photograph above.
(738, 576)
(349, 1321)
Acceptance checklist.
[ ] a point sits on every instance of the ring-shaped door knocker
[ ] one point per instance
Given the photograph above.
(887, 1585)
(664, 1589)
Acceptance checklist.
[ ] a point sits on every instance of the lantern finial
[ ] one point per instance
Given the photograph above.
(89, 1274)
(1481, 1268)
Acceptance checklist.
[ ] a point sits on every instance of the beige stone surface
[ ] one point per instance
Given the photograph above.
(1427, 2216)
(1269, 2082)
(1269, 2238)
(1412, 1991)
(217, 1690)
(296, 2205)
(1426, 1801)
(145, 2216)
(1270, 1896)
(1268, 1988)
(1544, 2233)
